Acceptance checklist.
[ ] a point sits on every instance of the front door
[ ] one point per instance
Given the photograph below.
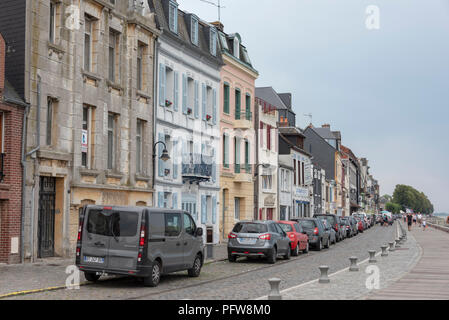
(46, 220)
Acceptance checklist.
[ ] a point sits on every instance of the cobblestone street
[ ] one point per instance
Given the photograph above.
(236, 281)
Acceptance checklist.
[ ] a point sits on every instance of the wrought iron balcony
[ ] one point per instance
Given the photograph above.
(2, 166)
(244, 115)
(197, 167)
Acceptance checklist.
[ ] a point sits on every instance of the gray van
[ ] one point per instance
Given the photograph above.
(137, 241)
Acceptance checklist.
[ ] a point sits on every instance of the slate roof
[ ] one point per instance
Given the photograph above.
(10, 95)
(269, 95)
(160, 8)
(325, 133)
(226, 44)
(291, 131)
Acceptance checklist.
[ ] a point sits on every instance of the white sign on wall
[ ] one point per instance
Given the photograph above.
(84, 141)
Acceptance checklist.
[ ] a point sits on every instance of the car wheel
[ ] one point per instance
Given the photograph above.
(231, 258)
(306, 250)
(91, 276)
(288, 253)
(319, 245)
(155, 275)
(295, 252)
(273, 256)
(196, 269)
(328, 243)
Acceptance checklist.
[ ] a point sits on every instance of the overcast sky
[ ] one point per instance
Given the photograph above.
(386, 90)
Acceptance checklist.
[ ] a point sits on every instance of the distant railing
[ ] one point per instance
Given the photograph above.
(2, 174)
(197, 165)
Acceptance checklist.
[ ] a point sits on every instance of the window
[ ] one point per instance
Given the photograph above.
(52, 30)
(268, 137)
(88, 43)
(111, 140)
(139, 145)
(261, 134)
(213, 41)
(238, 101)
(194, 30)
(267, 182)
(294, 172)
(189, 225)
(226, 93)
(237, 208)
(49, 121)
(248, 107)
(247, 157)
(236, 48)
(172, 224)
(225, 151)
(173, 16)
(237, 154)
(140, 70)
(114, 56)
(166, 200)
(2, 125)
(85, 138)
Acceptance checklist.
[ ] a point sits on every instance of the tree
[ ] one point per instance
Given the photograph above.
(409, 197)
(393, 207)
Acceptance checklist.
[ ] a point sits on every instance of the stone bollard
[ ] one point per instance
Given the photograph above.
(391, 246)
(384, 251)
(398, 245)
(354, 266)
(274, 294)
(372, 258)
(324, 278)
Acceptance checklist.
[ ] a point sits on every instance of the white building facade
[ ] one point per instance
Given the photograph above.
(187, 117)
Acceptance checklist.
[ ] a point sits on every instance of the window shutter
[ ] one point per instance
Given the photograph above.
(268, 137)
(175, 201)
(203, 210)
(214, 167)
(237, 104)
(214, 209)
(160, 161)
(176, 91)
(226, 151)
(204, 101)
(175, 159)
(226, 99)
(160, 197)
(261, 133)
(162, 76)
(214, 106)
(197, 99)
(184, 94)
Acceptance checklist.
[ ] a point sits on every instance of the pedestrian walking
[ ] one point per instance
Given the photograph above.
(414, 219)
(409, 221)
(424, 225)
(420, 219)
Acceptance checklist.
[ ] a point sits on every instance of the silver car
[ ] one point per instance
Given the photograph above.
(258, 239)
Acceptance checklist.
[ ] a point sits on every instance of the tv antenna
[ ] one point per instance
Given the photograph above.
(310, 116)
(218, 5)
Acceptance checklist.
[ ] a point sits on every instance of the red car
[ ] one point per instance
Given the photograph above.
(298, 238)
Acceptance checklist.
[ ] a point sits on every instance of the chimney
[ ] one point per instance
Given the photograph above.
(326, 126)
(218, 25)
(2, 63)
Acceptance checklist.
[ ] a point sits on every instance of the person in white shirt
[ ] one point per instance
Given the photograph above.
(420, 219)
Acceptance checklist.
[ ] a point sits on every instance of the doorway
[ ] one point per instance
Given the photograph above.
(46, 220)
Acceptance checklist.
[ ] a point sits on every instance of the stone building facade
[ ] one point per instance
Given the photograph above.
(88, 76)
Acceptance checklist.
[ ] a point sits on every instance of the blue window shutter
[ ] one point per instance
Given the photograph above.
(176, 89)
(226, 151)
(184, 94)
(214, 166)
(204, 101)
(203, 210)
(175, 201)
(175, 159)
(214, 209)
(214, 109)
(160, 199)
(197, 99)
(162, 77)
(160, 162)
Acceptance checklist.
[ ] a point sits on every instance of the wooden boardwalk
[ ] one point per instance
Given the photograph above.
(429, 279)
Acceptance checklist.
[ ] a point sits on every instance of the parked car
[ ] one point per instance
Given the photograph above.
(258, 239)
(298, 237)
(346, 225)
(334, 222)
(319, 237)
(360, 224)
(332, 233)
(137, 241)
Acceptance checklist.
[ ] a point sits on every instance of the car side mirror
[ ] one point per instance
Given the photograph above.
(199, 232)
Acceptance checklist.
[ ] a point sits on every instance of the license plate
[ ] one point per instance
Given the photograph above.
(93, 259)
(247, 240)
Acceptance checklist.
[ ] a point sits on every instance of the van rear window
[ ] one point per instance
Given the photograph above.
(307, 224)
(250, 228)
(112, 223)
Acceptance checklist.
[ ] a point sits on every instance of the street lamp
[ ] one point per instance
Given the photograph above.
(164, 156)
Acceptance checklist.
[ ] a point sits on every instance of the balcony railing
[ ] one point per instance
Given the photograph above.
(240, 168)
(197, 167)
(2, 165)
(244, 115)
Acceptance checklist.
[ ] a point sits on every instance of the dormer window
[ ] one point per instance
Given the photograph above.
(194, 30)
(213, 41)
(173, 16)
(236, 48)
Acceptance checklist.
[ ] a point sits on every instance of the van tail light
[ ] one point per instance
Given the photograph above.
(79, 237)
(266, 236)
(142, 242)
(336, 227)
(232, 236)
(315, 231)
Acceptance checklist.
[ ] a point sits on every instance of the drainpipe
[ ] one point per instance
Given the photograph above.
(24, 170)
(155, 71)
(38, 145)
